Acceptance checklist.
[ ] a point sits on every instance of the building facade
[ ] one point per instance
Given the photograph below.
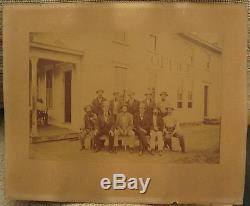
(67, 69)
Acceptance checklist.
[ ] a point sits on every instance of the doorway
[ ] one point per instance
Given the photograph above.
(67, 95)
(205, 101)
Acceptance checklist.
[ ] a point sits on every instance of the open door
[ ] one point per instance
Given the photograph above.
(67, 108)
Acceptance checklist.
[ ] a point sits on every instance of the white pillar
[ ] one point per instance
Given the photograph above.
(33, 91)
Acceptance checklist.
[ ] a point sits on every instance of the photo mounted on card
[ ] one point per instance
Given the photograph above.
(120, 102)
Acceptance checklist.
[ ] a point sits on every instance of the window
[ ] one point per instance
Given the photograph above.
(120, 77)
(30, 83)
(180, 97)
(190, 99)
(190, 95)
(49, 88)
(162, 61)
(179, 67)
(152, 43)
(120, 38)
(189, 59)
(152, 78)
(169, 64)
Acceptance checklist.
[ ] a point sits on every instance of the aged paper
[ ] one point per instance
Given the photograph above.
(146, 90)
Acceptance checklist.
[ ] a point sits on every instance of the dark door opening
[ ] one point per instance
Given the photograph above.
(205, 101)
(67, 95)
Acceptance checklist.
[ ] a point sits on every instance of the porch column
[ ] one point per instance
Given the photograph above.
(34, 61)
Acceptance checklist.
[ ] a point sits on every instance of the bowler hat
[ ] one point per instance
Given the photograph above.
(131, 93)
(148, 93)
(115, 93)
(124, 105)
(100, 90)
(163, 93)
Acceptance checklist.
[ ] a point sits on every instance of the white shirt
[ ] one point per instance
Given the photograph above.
(155, 122)
(171, 122)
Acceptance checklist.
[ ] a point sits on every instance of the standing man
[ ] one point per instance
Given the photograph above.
(89, 129)
(142, 123)
(133, 104)
(163, 103)
(149, 103)
(156, 137)
(124, 127)
(171, 129)
(105, 127)
(97, 102)
(115, 104)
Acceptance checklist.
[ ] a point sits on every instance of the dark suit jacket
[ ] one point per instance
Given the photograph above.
(159, 123)
(149, 106)
(97, 105)
(112, 105)
(105, 126)
(133, 107)
(143, 123)
(90, 121)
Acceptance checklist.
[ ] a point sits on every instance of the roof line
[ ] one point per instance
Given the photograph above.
(55, 48)
(201, 42)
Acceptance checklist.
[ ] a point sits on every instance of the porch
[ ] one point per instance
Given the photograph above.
(53, 133)
(53, 78)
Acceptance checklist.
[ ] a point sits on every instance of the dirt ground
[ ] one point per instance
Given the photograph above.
(202, 146)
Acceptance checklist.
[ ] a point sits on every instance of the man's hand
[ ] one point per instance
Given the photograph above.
(156, 128)
(95, 132)
(143, 130)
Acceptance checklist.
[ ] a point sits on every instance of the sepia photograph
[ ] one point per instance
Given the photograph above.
(124, 96)
(125, 103)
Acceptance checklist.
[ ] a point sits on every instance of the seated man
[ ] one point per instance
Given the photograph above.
(156, 138)
(89, 129)
(171, 129)
(123, 128)
(142, 123)
(42, 112)
(105, 127)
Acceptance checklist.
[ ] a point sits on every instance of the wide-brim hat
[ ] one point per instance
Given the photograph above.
(124, 105)
(116, 93)
(163, 93)
(100, 90)
(147, 93)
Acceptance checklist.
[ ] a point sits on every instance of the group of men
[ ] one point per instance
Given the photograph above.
(145, 124)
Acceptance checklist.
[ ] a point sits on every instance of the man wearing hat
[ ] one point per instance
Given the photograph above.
(163, 103)
(115, 104)
(142, 123)
(89, 129)
(133, 104)
(171, 129)
(149, 103)
(124, 128)
(97, 102)
(105, 127)
(156, 137)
